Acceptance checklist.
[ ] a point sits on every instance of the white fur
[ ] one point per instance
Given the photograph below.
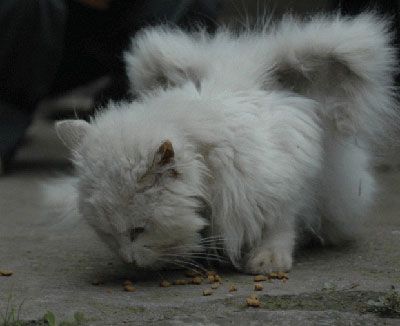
(271, 130)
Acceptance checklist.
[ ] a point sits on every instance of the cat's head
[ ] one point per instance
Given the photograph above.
(141, 191)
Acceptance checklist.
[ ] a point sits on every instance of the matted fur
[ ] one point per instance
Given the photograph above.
(271, 132)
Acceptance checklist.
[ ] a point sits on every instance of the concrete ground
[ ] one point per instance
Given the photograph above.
(54, 267)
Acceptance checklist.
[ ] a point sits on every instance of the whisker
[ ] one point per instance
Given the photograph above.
(185, 263)
(211, 257)
(195, 248)
(201, 268)
(181, 264)
(212, 237)
(217, 238)
(206, 254)
(217, 248)
(211, 240)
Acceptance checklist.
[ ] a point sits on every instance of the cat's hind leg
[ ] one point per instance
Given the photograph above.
(348, 188)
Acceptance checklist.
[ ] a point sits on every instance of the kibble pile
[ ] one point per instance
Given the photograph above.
(215, 281)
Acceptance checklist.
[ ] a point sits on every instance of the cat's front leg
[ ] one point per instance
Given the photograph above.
(274, 253)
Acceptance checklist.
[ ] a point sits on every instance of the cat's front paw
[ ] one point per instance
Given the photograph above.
(265, 261)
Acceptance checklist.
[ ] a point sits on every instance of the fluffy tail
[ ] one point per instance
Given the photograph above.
(347, 64)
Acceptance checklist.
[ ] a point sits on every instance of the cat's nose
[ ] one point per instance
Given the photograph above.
(134, 232)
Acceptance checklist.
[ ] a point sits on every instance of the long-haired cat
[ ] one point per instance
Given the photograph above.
(237, 142)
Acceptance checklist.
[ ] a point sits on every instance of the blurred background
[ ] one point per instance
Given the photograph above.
(63, 58)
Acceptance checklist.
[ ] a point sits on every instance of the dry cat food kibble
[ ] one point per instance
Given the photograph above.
(260, 278)
(165, 284)
(232, 288)
(197, 280)
(207, 292)
(258, 287)
(181, 282)
(253, 301)
(215, 285)
(278, 276)
(127, 282)
(211, 278)
(5, 273)
(129, 288)
(217, 278)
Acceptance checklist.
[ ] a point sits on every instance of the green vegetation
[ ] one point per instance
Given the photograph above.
(10, 317)
(50, 319)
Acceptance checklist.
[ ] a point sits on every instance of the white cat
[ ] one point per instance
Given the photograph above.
(237, 143)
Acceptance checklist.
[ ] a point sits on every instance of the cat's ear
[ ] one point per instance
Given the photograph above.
(162, 57)
(164, 158)
(72, 132)
(165, 154)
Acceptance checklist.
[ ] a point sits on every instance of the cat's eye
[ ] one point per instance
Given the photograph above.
(134, 232)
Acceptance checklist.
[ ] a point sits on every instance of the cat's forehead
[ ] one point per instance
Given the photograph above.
(119, 150)
(114, 169)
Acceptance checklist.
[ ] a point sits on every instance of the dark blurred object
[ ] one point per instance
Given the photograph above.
(354, 7)
(31, 38)
(51, 46)
(95, 41)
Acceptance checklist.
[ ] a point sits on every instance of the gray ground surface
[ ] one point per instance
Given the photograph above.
(54, 267)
